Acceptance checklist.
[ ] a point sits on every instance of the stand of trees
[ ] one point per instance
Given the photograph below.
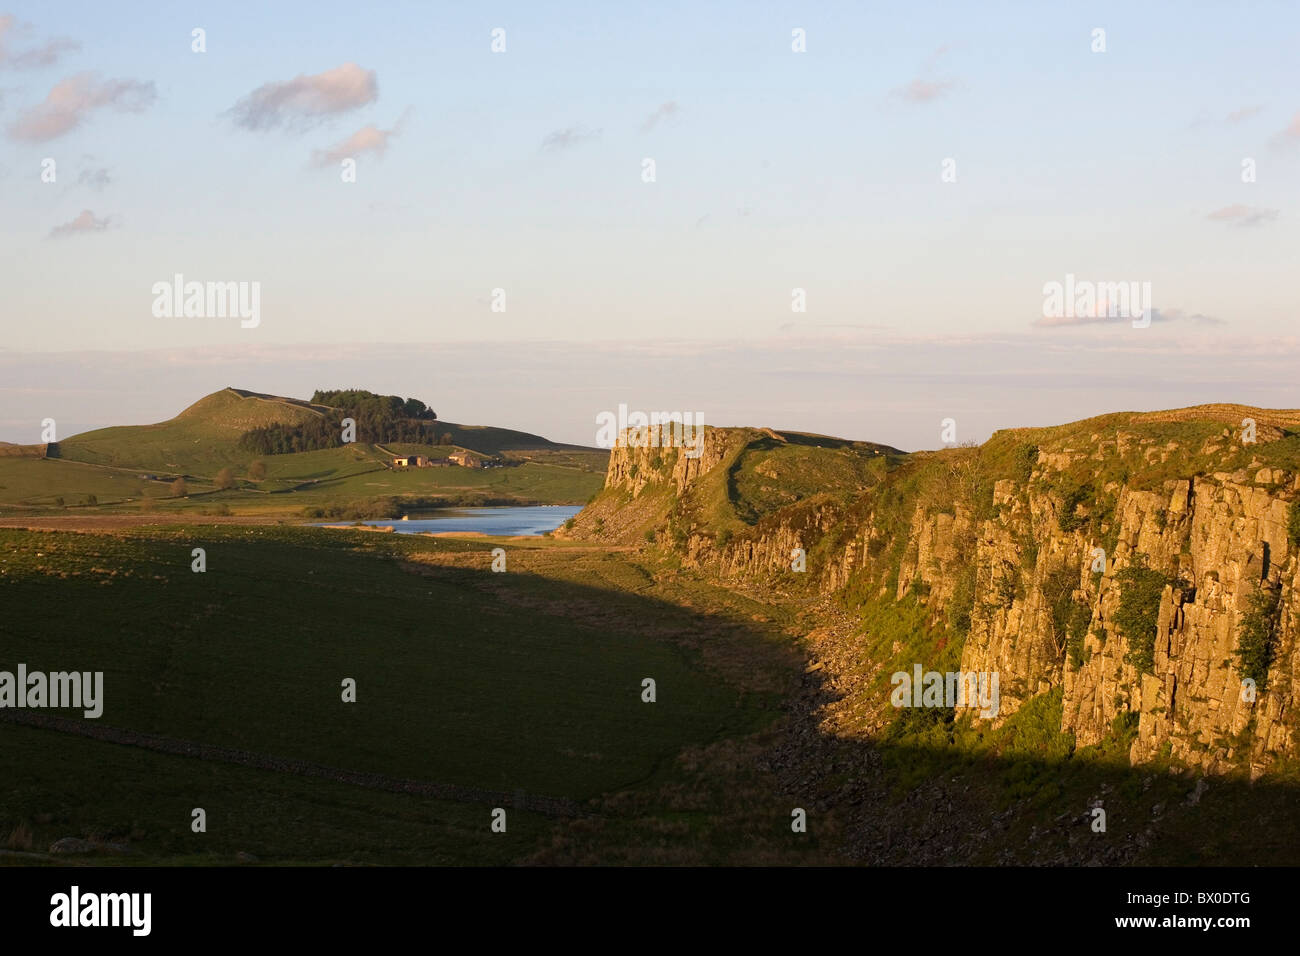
(379, 418)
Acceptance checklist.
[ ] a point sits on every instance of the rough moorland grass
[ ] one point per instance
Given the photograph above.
(59, 785)
(453, 686)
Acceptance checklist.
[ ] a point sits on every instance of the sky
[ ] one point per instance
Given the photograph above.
(918, 172)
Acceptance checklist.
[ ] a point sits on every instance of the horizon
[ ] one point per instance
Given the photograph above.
(823, 226)
(935, 379)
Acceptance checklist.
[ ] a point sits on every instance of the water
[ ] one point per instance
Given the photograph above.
(498, 521)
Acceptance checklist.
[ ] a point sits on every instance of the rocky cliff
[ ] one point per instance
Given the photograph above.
(1143, 566)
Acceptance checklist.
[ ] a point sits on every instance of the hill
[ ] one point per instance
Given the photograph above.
(137, 465)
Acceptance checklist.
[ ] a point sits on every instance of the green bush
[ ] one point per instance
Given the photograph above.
(1293, 522)
(1257, 635)
(1077, 630)
(1029, 555)
(1069, 520)
(963, 600)
(1141, 589)
(1026, 458)
(1069, 617)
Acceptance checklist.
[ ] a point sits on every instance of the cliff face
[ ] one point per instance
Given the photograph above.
(1124, 561)
(1223, 537)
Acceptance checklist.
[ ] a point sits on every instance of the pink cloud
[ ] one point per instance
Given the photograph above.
(45, 55)
(71, 101)
(85, 222)
(368, 139)
(305, 100)
(1243, 215)
(923, 91)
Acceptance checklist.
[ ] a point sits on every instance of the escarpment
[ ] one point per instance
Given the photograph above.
(1142, 566)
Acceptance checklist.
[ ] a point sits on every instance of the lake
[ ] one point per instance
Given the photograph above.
(498, 521)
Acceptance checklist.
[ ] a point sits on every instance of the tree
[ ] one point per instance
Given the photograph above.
(179, 488)
(225, 479)
(257, 470)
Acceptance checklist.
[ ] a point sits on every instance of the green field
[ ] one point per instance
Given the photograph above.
(524, 681)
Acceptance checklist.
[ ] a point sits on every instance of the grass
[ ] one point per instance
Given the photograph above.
(526, 680)
(297, 481)
(770, 475)
(278, 818)
(104, 466)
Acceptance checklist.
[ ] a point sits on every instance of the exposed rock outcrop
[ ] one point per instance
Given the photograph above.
(1029, 539)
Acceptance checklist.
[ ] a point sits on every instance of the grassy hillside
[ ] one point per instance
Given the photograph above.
(133, 466)
(525, 681)
(200, 440)
(773, 472)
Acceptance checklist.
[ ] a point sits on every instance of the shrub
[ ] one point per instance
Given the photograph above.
(225, 479)
(179, 488)
(257, 470)
(1029, 555)
(1008, 586)
(1257, 635)
(1026, 458)
(1293, 522)
(1077, 630)
(962, 604)
(1058, 589)
(1141, 589)
(1069, 520)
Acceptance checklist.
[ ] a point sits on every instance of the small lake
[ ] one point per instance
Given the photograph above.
(498, 521)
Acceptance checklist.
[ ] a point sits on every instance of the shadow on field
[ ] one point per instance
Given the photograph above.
(880, 803)
(475, 685)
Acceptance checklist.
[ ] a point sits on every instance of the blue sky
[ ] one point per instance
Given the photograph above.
(774, 170)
